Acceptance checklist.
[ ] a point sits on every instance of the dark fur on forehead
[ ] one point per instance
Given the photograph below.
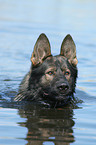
(55, 62)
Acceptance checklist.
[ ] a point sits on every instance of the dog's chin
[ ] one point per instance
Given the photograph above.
(57, 100)
(61, 98)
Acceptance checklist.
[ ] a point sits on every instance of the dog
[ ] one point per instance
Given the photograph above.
(52, 79)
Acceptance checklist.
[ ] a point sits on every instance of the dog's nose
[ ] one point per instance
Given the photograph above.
(63, 87)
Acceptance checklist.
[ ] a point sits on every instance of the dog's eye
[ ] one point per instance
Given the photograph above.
(50, 73)
(67, 73)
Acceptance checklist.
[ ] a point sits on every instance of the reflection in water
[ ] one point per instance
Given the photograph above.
(52, 125)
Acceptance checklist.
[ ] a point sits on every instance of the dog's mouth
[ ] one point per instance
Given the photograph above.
(57, 95)
(57, 100)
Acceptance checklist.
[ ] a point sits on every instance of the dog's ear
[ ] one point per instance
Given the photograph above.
(68, 50)
(41, 50)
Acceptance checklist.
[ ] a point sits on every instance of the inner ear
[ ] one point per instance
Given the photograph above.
(41, 50)
(68, 50)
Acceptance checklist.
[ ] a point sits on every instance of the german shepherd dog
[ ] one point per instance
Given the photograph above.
(51, 79)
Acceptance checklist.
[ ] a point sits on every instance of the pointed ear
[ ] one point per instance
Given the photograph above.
(41, 50)
(68, 50)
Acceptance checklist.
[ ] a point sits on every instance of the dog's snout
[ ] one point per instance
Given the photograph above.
(63, 87)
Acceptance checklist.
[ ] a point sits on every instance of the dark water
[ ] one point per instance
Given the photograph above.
(21, 22)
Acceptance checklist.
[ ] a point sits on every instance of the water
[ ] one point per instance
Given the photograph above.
(21, 22)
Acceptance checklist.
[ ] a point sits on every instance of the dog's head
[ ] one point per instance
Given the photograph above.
(56, 75)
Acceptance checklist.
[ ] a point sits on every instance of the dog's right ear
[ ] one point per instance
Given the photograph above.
(41, 50)
(68, 50)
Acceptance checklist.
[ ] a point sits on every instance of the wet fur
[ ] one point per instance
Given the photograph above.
(51, 79)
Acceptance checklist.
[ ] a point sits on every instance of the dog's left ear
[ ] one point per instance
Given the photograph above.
(68, 50)
(41, 50)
